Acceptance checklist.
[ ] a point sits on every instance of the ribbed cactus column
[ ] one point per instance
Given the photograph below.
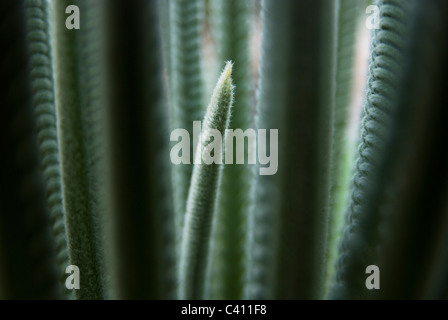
(38, 37)
(288, 219)
(186, 91)
(79, 95)
(27, 257)
(414, 246)
(359, 246)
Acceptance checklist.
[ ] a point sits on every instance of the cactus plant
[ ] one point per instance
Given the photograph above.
(87, 177)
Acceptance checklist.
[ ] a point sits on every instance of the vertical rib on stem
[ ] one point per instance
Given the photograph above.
(42, 84)
(142, 218)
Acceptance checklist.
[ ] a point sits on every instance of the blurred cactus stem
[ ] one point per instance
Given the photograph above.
(79, 102)
(142, 222)
(289, 213)
(185, 88)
